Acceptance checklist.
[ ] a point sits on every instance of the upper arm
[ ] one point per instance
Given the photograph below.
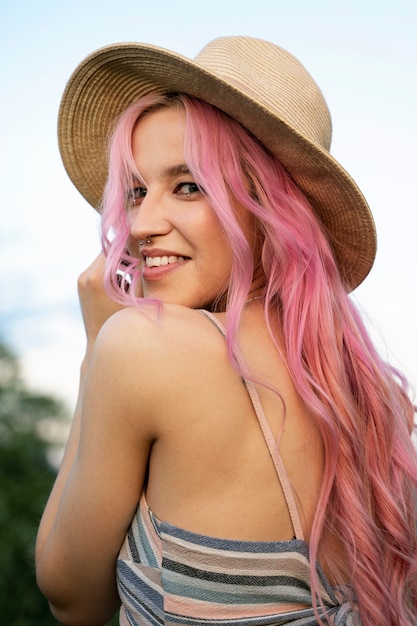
(77, 568)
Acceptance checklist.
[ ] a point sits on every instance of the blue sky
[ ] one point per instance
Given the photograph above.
(362, 53)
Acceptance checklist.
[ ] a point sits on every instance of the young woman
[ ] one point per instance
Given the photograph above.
(231, 240)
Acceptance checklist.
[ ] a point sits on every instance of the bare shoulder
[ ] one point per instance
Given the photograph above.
(149, 361)
(157, 329)
(160, 347)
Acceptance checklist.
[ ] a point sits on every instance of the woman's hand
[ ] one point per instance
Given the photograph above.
(96, 306)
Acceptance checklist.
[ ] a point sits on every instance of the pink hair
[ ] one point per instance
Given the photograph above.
(368, 498)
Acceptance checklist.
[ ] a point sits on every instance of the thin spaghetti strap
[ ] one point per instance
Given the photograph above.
(267, 433)
(276, 457)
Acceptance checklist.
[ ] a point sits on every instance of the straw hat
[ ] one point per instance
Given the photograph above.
(256, 82)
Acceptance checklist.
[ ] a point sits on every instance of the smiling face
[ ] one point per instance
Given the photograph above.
(189, 259)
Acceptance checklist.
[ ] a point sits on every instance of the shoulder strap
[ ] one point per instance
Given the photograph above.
(267, 433)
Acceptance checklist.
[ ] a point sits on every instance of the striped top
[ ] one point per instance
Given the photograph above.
(171, 576)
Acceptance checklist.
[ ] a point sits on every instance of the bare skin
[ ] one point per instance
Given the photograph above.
(150, 404)
(101, 481)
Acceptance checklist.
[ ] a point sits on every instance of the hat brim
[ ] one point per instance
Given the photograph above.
(113, 77)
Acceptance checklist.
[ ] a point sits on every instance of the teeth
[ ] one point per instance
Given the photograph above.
(156, 261)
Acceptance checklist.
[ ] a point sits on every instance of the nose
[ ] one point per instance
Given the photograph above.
(149, 218)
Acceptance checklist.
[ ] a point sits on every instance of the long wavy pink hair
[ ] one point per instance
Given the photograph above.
(368, 498)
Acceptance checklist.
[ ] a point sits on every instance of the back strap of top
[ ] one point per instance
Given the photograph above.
(267, 433)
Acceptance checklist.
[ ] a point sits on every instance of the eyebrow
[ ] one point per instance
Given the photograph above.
(169, 172)
(176, 170)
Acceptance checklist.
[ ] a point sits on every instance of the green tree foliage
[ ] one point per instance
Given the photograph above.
(26, 478)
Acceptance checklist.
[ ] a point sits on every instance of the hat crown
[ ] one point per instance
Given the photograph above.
(274, 79)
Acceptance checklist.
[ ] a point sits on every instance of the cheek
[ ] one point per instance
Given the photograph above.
(133, 247)
(221, 259)
(220, 248)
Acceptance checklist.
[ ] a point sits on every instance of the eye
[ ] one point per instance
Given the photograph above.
(135, 196)
(187, 189)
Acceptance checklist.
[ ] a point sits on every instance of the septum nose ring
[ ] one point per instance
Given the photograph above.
(148, 240)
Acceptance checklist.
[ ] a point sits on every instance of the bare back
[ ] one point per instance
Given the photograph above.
(210, 470)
